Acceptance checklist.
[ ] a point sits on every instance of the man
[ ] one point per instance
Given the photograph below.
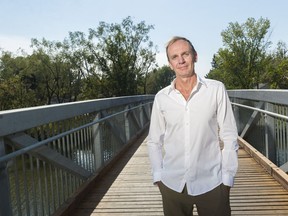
(189, 118)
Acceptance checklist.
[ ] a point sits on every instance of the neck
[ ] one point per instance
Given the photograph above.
(186, 83)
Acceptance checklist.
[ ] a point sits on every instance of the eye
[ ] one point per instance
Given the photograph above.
(174, 57)
(186, 54)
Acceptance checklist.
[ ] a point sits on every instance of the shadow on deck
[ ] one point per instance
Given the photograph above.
(127, 189)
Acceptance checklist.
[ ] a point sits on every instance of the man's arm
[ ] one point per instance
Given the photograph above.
(155, 141)
(229, 135)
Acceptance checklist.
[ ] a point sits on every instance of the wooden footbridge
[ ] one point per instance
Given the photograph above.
(90, 157)
(127, 189)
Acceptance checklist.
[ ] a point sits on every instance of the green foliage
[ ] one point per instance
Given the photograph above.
(57, 77)
(277, 67)
(242, 59)
(159, 79)
(119, 59)
(123, 54)
(113, 60)
(16, 86)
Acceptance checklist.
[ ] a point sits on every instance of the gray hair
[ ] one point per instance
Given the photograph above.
(177, 38)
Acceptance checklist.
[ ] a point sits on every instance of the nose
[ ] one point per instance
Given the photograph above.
(181, 60)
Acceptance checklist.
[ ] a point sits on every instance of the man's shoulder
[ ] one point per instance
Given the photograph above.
(212, 82)
(164, 91)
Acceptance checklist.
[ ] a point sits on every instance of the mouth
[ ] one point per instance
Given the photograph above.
(183, 68)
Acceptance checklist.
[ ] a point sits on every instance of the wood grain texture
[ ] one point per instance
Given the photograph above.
(128, 190)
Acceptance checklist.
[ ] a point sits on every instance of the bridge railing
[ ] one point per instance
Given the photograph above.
(262, 120)
(47, 153)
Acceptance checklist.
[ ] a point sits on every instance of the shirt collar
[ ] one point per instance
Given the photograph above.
(199, 81)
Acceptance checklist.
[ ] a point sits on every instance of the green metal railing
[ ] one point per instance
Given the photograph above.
(47, 153)
(262, 120)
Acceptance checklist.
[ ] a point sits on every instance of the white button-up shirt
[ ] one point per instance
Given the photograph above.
(183, 140)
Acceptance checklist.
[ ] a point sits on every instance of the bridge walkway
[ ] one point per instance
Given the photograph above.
(127, 189)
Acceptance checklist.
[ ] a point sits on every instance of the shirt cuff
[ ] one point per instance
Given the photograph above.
(228, 180)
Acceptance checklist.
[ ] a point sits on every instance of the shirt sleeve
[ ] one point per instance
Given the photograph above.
(229, 135)
(155, 141)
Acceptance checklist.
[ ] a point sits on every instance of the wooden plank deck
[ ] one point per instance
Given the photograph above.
(127, 189)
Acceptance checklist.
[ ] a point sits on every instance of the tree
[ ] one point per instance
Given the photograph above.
(76, 50)
(159, 79)
(124, 55)
(277, 67)
(56, 76)
(16, 87)
(113, 60)
(242, 60)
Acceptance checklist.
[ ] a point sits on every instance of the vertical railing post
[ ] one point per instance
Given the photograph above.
(236, 115)
(266, 136)
(270, 138)
(127, 123)
(5, 200)
(97, 144)
(142, 113)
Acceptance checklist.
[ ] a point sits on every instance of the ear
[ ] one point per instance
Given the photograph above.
(170, 65)
(195, 57)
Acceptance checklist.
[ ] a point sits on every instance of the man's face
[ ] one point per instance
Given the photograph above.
(181, 58)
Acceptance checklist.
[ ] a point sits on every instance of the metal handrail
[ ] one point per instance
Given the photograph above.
(59, 148)
(261, 110)
(58, 136)
(262, 120)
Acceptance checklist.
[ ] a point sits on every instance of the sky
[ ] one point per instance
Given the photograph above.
(201, 21)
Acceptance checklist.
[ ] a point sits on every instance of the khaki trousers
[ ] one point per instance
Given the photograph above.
(213, 203)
